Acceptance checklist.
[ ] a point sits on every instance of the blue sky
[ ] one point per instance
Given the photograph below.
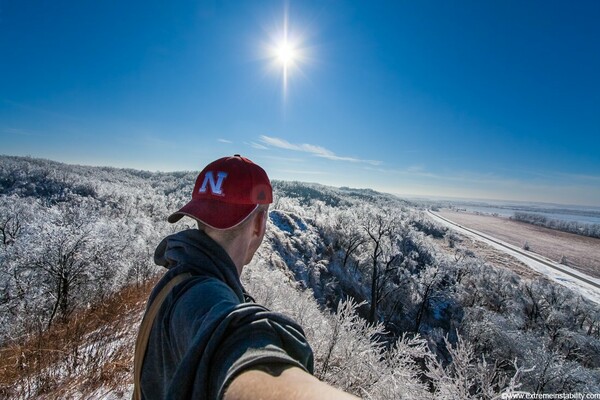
(473, 99)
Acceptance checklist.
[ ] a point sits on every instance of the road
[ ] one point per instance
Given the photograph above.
(586, 285)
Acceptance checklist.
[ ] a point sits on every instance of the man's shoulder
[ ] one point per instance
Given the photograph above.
(206, 286)
(200, 294)
(197, 307)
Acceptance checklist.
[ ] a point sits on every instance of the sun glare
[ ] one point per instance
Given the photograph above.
(285, 53)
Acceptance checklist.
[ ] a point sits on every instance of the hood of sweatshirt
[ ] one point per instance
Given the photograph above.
(195, 252)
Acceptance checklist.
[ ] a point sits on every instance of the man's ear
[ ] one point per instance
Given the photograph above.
(259, 224)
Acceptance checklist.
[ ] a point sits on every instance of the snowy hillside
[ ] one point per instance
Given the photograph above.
(394, 305)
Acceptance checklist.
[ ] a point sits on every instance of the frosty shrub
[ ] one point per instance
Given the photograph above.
(469, 376)
(443, 323)
(350, 353)
(69, 237)
(563, 260)
(347, 352)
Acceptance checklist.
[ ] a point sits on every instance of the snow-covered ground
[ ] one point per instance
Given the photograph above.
(586, 285)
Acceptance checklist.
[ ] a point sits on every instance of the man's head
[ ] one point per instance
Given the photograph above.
(227, 191)
(230, 202)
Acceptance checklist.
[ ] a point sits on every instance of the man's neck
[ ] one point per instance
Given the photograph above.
(236, 249)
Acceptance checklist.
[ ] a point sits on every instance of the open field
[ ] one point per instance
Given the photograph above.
(582, 253)
(487, 253)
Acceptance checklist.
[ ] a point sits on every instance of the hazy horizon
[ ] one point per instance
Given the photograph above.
(471, 200)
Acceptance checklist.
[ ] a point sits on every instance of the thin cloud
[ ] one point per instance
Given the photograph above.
(317, 151)
(302, 172)
(225, 141)
(416, 168)
(410, 171)
(580, 177)
(258, 146)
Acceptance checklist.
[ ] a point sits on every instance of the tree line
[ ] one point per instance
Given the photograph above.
(578, 228)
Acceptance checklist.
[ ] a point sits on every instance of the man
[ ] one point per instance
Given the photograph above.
(202, 336)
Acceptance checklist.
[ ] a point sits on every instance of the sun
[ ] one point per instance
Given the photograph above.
(285, 56)
(286, 53)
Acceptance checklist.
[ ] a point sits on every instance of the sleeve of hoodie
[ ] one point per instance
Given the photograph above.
(217, 338)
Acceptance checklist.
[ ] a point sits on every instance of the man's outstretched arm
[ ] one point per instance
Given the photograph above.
(285, 382)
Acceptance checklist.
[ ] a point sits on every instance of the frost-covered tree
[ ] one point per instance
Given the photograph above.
(361, 271)
(68, 249)
(381, 230)
(470, 376)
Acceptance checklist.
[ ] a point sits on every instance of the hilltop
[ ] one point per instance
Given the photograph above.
(394, 305)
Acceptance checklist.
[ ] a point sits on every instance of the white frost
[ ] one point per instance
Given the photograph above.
(555, 271)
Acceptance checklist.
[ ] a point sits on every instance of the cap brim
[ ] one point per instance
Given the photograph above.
(215, 214)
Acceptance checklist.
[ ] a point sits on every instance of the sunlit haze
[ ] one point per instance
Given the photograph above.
(285, 53)
(487, 100)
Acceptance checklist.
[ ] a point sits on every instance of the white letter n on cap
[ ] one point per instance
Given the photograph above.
(215, 185)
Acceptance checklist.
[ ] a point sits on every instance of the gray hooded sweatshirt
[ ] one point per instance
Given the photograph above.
(208, 330)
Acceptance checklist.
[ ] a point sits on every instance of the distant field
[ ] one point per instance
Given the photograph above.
(582, 253)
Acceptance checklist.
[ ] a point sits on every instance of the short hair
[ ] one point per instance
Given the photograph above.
(227, 235)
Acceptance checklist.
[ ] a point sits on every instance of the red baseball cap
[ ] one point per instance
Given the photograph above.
(226, 192)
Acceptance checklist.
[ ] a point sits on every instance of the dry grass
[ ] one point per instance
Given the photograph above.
(581, 252)
(94, 349)
(485, 252)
